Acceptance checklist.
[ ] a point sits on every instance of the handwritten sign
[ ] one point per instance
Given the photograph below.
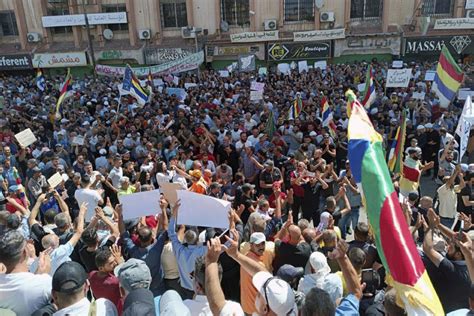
(418, 95)
(303, 66)
(25, 138)
(430, 75)
(257, 86)
(398, 78)
(454, 24)
(322, 64)
(79, 140)
(224, 73)
(189, 85)
(178, 92)
(79, 19)
(256, 95)
(54, 60)
(55, 180)
(246, 37)
(319, 35)
(284, 68)
(397, 64)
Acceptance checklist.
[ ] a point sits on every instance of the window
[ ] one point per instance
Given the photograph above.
(366, 9)
(173, 13)
(59, 7)
(299, 10)
(109, 8)
(8, 23)
(437, 7)
(236, 12)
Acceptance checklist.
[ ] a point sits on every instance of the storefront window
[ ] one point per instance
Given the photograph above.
(109, 8)
(8, 23)
(437, 7)
(366, 9)
(173, 13)
(299, 10)
(235, 12)
(59, 7)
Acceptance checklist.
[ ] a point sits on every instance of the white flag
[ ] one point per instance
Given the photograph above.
(464, 127)
(467, 114)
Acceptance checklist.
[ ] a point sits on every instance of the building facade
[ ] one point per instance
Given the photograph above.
(53, 33)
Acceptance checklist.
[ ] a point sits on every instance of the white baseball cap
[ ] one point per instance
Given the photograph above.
(257, 238)
(277, 293)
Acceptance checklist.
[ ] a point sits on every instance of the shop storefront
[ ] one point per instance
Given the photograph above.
(296, 51)
(20, 62)
(120, 57)
(57, 63)
(221, 56)
(383, 47)
(429, 48)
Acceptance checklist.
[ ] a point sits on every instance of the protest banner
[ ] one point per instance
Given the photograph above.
(25, 138)
(140, 204)
(257, 86)
(202, 210)
(398, 78)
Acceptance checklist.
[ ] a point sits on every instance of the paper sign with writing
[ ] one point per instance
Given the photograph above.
(398, 78)
(140, 204)
(303, 66)
(178, 92)
(189, 85)
(284, 68)
(463, 94)
(158, 82)
(78, 140)
(322, 64)
(418, 95)
(256, 95)
(257, 86)
(397, 64)
(224, 73)
(361, 87)
(430, 75)
(55, 180)
(25, 138)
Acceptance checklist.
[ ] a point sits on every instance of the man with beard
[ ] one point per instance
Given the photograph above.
(412, 169)
(433, 141)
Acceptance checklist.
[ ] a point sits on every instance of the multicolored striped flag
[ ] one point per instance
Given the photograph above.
(369, 91)
(327, 117)
(394, 242)
(64, 93)
(395, 156)
(351, 101)
(132, 85)
(296, 107)
(40, 81)
(448, 78)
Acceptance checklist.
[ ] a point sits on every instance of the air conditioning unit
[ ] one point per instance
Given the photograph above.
(326, 17)
(270, 25)
(144, 34)
(33, 37)
(470, 14)
(188, 32)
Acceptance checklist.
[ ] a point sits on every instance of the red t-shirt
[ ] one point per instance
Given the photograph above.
(271, 199)
(297, 189)
(105, 287)
(10, 208)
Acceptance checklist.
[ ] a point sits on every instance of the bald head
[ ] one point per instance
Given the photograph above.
(50, 241)
(309, 234)
(295, 234)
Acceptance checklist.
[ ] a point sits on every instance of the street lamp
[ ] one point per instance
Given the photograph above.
(196, 31)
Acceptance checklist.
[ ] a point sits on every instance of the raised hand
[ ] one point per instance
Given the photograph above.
(214, 250)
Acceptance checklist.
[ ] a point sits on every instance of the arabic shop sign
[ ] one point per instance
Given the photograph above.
(319, 35)
(22, 61)
(112, 54)
(293, 51)
(254, 37)
(79, 19)
(162, 55)
(457, 45)
(59, 60)
(367, 45)
(454, 24)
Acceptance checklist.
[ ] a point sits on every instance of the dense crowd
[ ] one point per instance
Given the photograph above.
(298, 241)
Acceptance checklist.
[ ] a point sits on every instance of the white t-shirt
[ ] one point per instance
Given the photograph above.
(24, 292)
(115, 174)
(91, 197)
(200, 307)
(448, 201)
(102, 306)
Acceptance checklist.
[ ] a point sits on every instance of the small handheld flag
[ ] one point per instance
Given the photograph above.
(369, 91)
(448, 78)
(65, 92)
(132, 85)
(40, 81)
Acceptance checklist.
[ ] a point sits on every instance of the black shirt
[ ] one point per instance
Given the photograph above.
(88, 258)
(247, 202)
(285, 253)
(466, 191)
(268, 177)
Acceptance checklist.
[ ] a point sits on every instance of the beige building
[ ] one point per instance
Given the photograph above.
(156, 31)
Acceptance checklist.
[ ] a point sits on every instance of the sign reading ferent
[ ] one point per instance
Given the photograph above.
(15, 62)
(59, 60)
(398, 78)
(246, 37)
(319, 35)
(79, 19)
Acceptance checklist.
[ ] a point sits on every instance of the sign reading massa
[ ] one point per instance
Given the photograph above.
(457, 45)
(293, 51)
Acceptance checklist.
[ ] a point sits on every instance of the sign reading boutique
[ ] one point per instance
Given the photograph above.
(457, 45)
(73, 59)
(12, 62)
(294, 51)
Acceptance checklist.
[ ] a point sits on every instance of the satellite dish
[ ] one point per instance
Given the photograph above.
(108, 34)
(224, 26)
(318, 4)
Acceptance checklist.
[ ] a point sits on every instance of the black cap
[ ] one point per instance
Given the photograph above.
(139, 302)
(288, 273)
(69, 277)
(412, 151)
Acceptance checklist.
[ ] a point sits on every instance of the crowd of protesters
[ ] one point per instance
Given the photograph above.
(298, 241)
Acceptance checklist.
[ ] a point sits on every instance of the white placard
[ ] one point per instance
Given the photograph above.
(55, 180)
(322, 64)
(176, 80)
(256, 95)
(202, 210)
(319, 35)
(224, 73)
(59, 60)
(397, 64)
(463, 94)
(79, 19)
(398, 78)
(303, 66)
(246, 37)
(79, 140)
(257, 86)
(189, 85)
(284, 68)
(140, 204)
(158, 82)
(454, 24)
(361, 87)
(418, 95)
(430, 75)
(25, 138)
(469, 4)
(262, 71)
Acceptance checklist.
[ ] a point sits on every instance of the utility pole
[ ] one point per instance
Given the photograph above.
(89, 38)
(196, 32)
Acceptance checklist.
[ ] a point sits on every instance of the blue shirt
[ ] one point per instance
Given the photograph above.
(349, 306)
(185, 256)
(152, 257)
